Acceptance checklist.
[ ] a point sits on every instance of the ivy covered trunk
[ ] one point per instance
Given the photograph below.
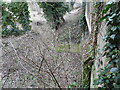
(104, 58)
(95, 25)
(109, 76)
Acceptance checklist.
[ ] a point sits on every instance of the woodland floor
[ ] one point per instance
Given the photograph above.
(35, 58)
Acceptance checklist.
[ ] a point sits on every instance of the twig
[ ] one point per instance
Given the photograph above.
(57, 66)
(53, 76)
(8, 75)
(50, 70)
(22, 65)
(17, 55)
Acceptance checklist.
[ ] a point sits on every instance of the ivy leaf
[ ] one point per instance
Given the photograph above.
(107, 81)
(114, 70)
(112, 46)
(110, 19)
(109, 76)
(104, 17)
(110, 2)
(114, 28)
(113, 36)
(104, 54)
(117, 78)
(104, 38)
(107, 8)
(113, 56)
(108, 65)
(117, 60)
(113, 15)
(116, 86)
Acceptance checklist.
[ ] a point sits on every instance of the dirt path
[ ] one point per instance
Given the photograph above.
(39, 23)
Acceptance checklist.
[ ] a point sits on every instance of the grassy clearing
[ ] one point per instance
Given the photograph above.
(74, 48)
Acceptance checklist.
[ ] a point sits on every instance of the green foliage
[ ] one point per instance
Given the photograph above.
(73, 85)
(83, 23)
(15, 18)
(54, 11)
(109, 77)
(75, 48)
(88, 63)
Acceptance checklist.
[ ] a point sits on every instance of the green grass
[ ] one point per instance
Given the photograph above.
(74, 48)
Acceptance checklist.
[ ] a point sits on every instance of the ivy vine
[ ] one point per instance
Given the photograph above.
(109, 76)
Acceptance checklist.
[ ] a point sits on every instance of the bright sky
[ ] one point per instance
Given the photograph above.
(45, 0)
(6, 0)
(63, 0)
